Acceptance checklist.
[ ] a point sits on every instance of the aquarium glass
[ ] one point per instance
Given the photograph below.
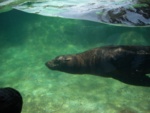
(29, 39)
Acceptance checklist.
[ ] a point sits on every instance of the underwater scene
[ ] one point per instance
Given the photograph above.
(28, 41)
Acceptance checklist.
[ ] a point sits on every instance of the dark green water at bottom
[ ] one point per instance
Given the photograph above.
(27, 41)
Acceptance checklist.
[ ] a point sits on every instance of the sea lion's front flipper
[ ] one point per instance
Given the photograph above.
(137, 80)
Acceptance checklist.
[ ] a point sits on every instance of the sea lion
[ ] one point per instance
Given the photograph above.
(128, 64)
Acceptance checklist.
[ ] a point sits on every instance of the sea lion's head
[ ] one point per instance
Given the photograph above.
(65, 63)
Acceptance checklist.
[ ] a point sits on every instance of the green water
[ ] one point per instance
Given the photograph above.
(27, 41)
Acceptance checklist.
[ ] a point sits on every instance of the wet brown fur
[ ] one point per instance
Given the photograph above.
(128, 64)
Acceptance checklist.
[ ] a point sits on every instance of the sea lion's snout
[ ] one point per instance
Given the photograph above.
(56, 63)
(60, 63)
(49, 65)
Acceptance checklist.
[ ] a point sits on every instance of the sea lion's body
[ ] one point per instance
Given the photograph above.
(129, 64)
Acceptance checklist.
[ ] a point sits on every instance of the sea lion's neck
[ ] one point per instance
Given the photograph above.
(86, 61)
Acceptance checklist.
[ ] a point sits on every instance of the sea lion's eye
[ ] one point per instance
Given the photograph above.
(59, 59)
(68, 59)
